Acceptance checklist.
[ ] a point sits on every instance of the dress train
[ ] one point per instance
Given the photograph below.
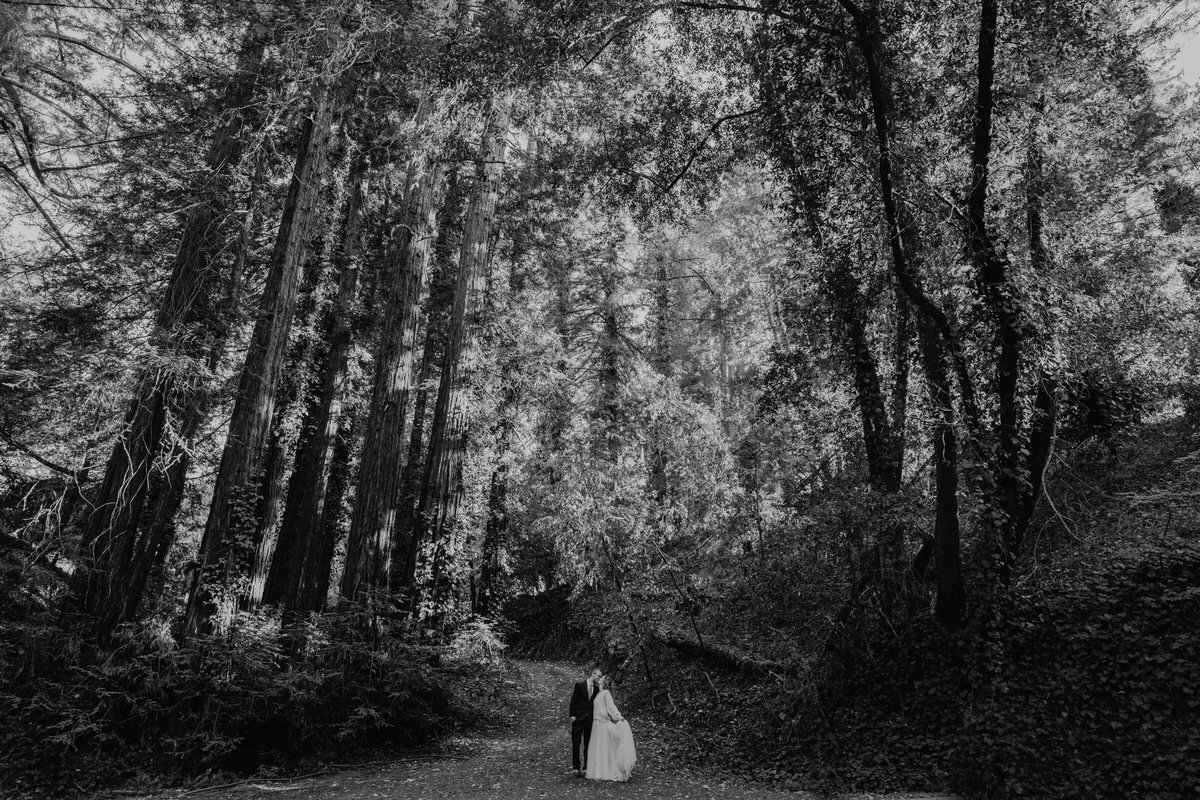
(611, 752)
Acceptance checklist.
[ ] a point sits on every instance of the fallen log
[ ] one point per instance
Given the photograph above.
(718, 655)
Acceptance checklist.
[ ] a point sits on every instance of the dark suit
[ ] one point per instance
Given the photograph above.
(581, 728)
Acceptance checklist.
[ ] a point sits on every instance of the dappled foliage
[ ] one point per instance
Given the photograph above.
(829, 370)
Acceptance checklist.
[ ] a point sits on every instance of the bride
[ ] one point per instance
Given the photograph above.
(611, 754)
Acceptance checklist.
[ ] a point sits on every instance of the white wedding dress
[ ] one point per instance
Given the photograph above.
(611, 754)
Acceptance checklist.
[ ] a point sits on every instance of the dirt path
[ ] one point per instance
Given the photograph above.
(531, 760)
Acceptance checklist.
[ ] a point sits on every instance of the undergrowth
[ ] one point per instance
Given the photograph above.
(148, 709)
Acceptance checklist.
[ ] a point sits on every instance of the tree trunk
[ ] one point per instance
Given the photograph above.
(657, 485)
(437, 323)
(901, 357)
(903, 239)
(149, 562)
(318, 572)
(495, 532)
(187, 326)
(298, 551)
(607, 413)
(488, 599)
(1045, 405)
(997, 290)
(1035, 186)
(883, 441)
(663, 362)
(939, 339)
(721, 321)
(293, 386)
(951, 592)
(153, 547)
(850, 310)
(225, 549)
(441, 486)
(377, 503)
(270, 495)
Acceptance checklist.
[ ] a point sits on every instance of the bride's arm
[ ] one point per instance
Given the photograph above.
(613, 713)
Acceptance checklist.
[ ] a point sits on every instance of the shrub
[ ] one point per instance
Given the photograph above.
(1189, 393)
(1096, 403)
(477, 641)
(231, 702)
(1098, 688)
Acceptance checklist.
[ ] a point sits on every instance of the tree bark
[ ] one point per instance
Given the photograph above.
(318, 572)
(663, 362)
(882, 433)
(489, 596)
(1043, 428)
(225, 549)
(657, 485)
(607, 413)
(149, 562)
(1039, 257)
(901, 358)
(902, 237)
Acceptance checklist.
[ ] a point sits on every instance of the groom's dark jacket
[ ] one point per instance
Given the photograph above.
(581, 704)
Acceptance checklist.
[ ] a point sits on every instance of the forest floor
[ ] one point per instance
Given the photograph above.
(529, 757)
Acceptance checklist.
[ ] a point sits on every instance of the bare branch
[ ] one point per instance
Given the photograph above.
(62, 37)
(795, 19)
(645, 13)
(52, 103)
(712, 130)
(75, 85)
(45, 462)
(26, 137)
(37, 204)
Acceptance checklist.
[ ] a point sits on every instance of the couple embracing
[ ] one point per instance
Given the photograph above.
(599, 732)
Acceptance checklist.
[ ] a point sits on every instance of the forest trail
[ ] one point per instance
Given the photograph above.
(529, 760)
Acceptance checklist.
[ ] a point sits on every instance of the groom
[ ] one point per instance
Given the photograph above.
(581, 716)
